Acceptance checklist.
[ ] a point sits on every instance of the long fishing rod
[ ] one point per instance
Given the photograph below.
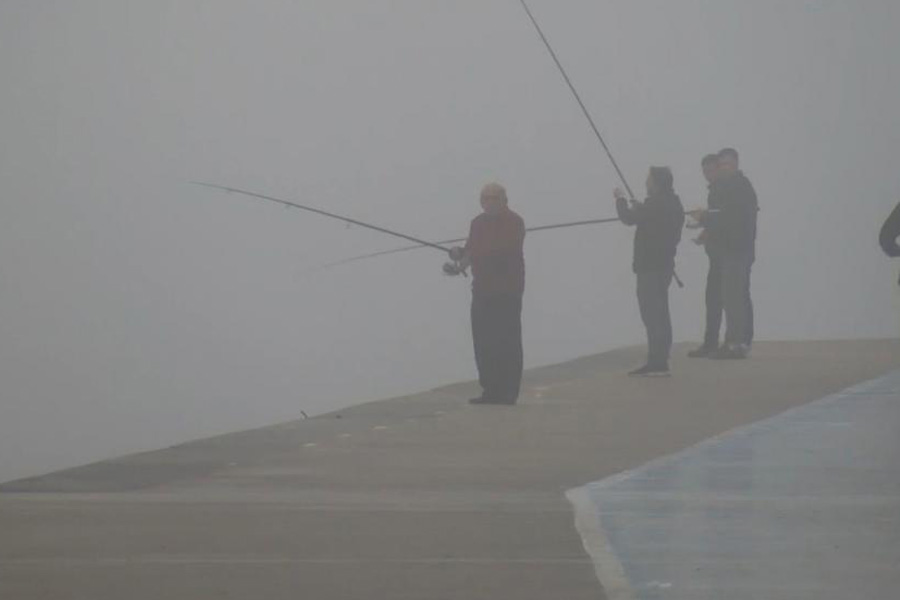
(573, 224)
(353, 259)
(586, 112)
(324, 213)
(584, 109)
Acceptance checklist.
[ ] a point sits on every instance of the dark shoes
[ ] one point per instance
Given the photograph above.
(651, 371)
(731, 352)
(725, 352)
(487, 400)
(703, 351)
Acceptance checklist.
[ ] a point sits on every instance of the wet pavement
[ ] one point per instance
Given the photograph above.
(802, 505)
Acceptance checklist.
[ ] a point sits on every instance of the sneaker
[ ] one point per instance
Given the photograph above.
(702, 352)
(731, 352)
(651, 371)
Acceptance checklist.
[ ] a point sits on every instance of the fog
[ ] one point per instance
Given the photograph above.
(138, 311)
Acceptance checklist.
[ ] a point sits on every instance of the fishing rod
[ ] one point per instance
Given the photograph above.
(586, 112)
(584, 109)
(324, 213)
(360, 257)
(573, 224)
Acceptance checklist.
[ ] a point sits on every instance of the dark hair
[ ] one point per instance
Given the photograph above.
(709, 158)
(663, 178)
(728, 152)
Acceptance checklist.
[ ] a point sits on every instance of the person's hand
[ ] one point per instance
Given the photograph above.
(452, 269)
(700, 240)
(696, 213)
(697, 216)
(618, 194)
(457, 253)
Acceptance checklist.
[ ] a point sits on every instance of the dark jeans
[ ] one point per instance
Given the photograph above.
(713, 303)
(497, 336)
(715, 306)
(653, 300)
(736, 298)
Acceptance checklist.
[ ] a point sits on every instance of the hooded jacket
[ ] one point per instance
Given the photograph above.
(659, 220)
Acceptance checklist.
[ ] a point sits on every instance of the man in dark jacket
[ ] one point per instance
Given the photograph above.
(712, 244)
(735, 225)
(889, 233)
(659, 220)
(494, 249)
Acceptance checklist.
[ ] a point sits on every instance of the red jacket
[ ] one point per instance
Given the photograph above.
(495, 247)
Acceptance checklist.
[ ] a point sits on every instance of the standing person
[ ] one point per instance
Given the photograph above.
(494, 249)
(659, 220)
(712, 243)
(889, 233)
(735, 225)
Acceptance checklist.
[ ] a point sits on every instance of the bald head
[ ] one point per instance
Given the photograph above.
(493, 197)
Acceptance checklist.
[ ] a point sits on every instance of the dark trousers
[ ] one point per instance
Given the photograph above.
(714, 305)
(736, 298)
(750, 331)
(497, 336)
(653, 300)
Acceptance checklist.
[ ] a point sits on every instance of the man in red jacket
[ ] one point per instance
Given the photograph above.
(495, 252)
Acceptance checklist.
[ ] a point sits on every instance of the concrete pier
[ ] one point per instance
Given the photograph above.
(411, 498)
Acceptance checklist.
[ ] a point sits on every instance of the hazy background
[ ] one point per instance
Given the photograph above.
(137, 311)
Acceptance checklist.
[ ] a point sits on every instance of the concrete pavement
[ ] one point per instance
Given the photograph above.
(418, 497)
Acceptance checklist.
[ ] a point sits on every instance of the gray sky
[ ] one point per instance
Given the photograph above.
(137, 311)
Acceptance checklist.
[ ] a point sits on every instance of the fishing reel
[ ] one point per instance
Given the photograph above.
(452, 269)
(457, 264)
